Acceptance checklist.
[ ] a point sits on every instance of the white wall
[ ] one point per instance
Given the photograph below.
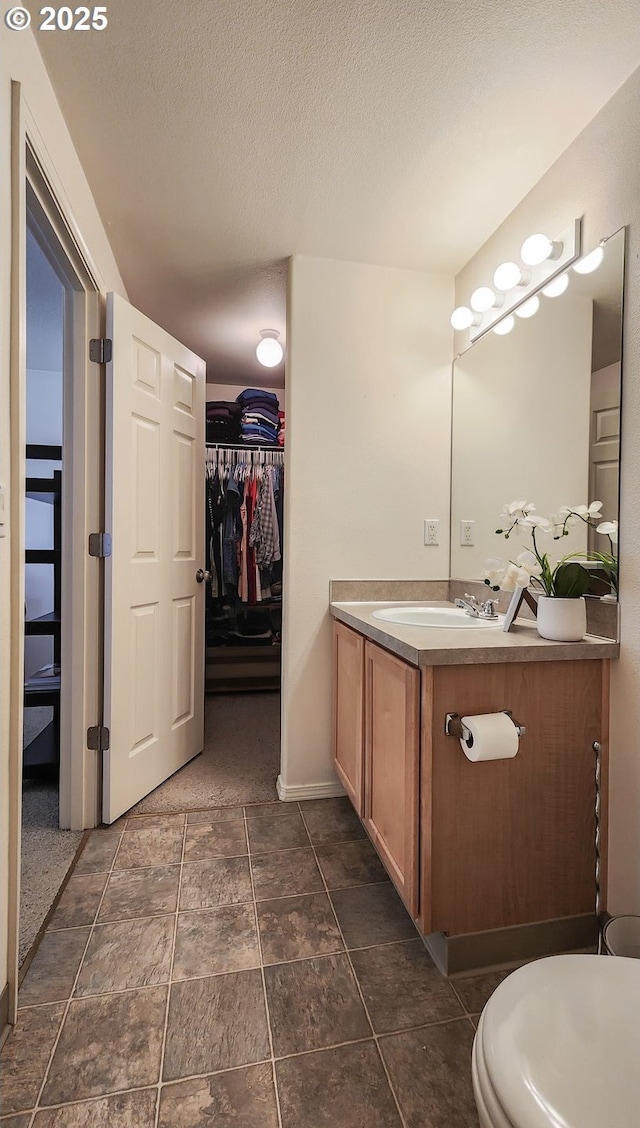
(512, 399)
(232, 391)
(598, 177)
(20, 60)
(368, 443)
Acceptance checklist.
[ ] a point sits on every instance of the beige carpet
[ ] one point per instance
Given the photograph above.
(240, 762)
(47, 854)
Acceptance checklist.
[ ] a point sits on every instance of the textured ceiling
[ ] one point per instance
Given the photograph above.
(221, 136)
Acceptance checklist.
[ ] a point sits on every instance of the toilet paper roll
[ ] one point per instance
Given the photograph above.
(493, 736)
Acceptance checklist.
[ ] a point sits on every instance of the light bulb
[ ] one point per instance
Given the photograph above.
(462, 318)
(589, 262)
(505, 326)
(529, 308)
(538, 248)
(508, 275)
(485, 298)
(269, 351)
(556, 287)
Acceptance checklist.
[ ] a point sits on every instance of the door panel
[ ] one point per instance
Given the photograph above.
(392, 773)
(154, 608)
(604, 452)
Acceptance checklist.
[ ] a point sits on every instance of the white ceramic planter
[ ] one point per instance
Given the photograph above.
(561, 620)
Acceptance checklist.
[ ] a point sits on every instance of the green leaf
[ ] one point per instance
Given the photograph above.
(570, 581)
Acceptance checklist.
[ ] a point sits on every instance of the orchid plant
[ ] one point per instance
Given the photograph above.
(567, 579)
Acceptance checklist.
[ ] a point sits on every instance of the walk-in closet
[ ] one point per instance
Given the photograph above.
(245, 499)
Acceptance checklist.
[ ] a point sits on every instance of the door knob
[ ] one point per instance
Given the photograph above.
(201, 575)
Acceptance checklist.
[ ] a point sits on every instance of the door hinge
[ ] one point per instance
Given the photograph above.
(98, 737)
(100, 350)
(100, 545)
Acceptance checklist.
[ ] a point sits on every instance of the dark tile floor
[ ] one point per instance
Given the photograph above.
(240, 967)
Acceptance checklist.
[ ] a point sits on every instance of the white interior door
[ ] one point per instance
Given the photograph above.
(154, 606)
(604, 452)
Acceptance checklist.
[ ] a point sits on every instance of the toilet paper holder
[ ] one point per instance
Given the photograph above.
(453, 726)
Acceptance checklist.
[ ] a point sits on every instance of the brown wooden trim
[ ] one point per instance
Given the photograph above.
(426, 800)
(354, 785)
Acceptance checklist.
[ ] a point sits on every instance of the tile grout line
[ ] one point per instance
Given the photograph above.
(234, 1068)
(356, 980)
(163, 1044)
(219, 974)
(71, 993)
(264, 983)
(228, 905)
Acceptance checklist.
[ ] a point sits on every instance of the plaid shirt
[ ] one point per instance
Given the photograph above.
(264, 536)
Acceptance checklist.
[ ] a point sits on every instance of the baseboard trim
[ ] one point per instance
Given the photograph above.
(4, 1015)
(502, 946)
(291, 794)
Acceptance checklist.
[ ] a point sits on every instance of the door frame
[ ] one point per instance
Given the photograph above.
(83, 507)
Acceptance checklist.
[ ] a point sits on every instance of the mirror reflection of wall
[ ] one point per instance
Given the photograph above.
(536, 415)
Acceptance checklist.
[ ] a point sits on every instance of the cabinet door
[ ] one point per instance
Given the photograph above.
(392, 746)
(348, 699)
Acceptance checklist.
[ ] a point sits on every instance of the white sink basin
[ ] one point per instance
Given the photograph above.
(450, 617)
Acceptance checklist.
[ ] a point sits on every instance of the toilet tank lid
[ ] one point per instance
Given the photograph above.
(561, 1042)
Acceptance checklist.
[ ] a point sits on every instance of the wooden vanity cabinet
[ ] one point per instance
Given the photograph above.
(348, 712)
(475, 847)
(391, 766)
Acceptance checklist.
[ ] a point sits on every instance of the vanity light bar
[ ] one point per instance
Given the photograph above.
(515, 285)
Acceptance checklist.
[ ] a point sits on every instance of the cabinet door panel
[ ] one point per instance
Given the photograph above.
(513, 840)
(348, 696)
(392, 715)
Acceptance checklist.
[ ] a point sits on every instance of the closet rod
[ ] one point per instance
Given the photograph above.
(274, 448)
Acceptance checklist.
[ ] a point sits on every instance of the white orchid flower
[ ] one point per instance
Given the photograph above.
(587, 511)
(609, 529)
(516, 510)
(528, 561)
(533, 521)
(556, 522)
(494, 570)
(515, 577)
(569, 515)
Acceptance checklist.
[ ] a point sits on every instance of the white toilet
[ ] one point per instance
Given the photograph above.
(558, 1046)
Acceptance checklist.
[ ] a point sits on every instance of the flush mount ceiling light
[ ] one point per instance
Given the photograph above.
(527, 309)
(464, 318)
(557, 287)
(538, 249)
(590, 262)
(269, 351)
(509, 275)
(505, 326)
(485, 298)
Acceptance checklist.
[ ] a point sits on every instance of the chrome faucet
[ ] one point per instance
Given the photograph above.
(477, 610)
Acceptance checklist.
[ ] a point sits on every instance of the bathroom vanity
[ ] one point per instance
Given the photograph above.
(495, 860)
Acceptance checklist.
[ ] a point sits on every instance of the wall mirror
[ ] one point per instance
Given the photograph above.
(536, 415)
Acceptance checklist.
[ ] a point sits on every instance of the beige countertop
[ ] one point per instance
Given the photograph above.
(438, 646)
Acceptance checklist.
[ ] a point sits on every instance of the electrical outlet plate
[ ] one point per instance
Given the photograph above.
(466, 533)
(431, 531)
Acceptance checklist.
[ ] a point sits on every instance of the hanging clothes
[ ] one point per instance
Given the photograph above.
(244, 525)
